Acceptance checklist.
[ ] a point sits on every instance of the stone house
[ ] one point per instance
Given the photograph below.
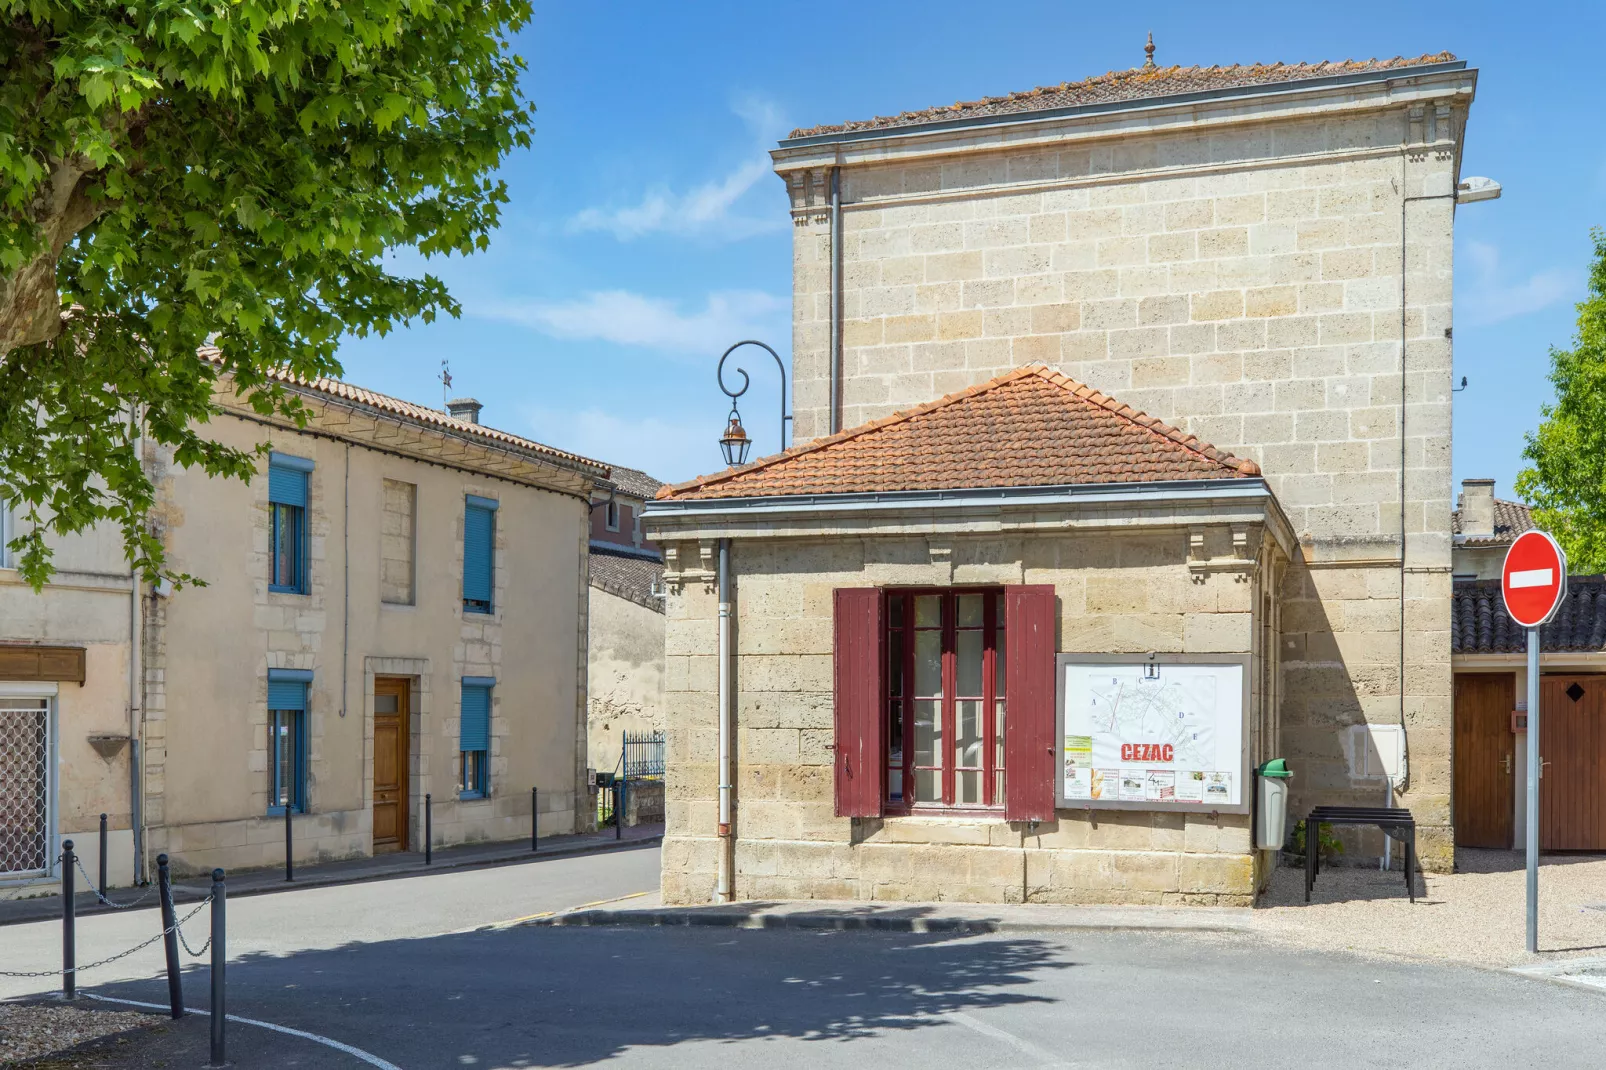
(395, 607)
(1251, 265)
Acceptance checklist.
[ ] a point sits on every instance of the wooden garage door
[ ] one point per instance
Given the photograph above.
(1572, 791)
(1484, 753)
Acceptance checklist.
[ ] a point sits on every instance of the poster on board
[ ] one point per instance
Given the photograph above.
(1153, 732)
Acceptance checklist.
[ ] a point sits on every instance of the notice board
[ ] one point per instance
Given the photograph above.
(1153, 732)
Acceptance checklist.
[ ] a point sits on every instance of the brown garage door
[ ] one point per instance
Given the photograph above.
(1572, 791)
(1483, 758)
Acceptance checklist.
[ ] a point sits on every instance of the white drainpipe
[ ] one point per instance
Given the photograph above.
(727, 843)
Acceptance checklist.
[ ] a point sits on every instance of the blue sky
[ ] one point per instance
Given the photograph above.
(646, 231)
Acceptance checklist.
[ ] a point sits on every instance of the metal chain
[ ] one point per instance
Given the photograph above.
(120, 955)
(149, 889)
(186, 943)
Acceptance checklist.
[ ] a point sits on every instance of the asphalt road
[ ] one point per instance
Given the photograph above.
(545, 997)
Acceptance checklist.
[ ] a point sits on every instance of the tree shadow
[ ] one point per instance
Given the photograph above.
(544, 996)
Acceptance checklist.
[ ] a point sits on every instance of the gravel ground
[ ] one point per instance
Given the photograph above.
(1474, 915)
(30, 1030)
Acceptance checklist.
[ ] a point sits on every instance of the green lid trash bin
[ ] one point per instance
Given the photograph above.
(1272, 823)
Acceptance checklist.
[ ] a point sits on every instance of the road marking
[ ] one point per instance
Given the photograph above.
(1020, 1044)
(514, 922)
(1531, 577)
(367, 1057)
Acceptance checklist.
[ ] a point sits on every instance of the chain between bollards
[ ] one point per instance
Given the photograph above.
(219, 958)
(69, 938)
(429, 832)
(164, 887)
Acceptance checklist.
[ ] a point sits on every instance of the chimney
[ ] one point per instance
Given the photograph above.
(1477, 507)
(467, 410)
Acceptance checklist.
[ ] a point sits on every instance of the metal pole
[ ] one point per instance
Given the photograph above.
(219, 958)
(69, 941)
(289, 847)
(429, 832)
(1532, 836)
(535, 817)
(164, 890)
(619, 808)
(101, 887)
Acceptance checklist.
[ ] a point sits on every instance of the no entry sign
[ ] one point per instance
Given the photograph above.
(1534, 579)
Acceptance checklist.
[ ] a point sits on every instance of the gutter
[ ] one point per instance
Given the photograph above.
(1139, 104)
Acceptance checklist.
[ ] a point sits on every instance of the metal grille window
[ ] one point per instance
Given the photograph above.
(24, 786)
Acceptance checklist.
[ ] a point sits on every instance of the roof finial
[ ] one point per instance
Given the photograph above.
(1148, 53)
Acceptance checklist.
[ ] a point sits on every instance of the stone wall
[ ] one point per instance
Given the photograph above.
(1130, 593)
(625, 676)
(1252, 280)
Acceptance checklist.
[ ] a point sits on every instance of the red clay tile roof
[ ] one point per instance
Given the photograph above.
(422, 414)
(1510, 520)
(1030, 428)
(1138, 83)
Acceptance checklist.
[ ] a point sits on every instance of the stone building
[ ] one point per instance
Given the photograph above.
(1258, 259)
(394, 606)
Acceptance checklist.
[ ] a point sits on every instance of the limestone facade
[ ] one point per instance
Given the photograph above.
(1271, 272)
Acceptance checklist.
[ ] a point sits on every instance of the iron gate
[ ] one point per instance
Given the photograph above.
(24, 786)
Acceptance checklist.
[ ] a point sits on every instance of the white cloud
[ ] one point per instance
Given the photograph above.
(632, 319)
(705, 210)
(1491, 299)
(668, 450)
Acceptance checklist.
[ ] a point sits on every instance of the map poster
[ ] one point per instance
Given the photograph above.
(1151, 734)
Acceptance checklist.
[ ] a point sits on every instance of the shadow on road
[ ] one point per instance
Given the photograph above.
(555, 997)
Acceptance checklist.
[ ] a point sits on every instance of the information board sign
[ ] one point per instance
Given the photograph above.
(1153, 732)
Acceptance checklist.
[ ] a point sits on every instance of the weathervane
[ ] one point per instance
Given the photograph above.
(446, 382)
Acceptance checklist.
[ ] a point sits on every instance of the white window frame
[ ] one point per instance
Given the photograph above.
(8, 531)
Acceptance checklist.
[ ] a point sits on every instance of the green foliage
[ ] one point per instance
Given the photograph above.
(1328, 842)
(242, 167)
(1566, 477)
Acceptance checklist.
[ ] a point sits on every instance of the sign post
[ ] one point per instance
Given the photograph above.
(1533, 582)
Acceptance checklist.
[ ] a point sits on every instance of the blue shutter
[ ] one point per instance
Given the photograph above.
(479, 549)
(474, 731)
(287, 479)
(287, 689)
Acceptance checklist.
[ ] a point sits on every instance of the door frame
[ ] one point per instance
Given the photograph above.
(405, 687)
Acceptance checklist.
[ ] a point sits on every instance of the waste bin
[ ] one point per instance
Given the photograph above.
(1272, 823)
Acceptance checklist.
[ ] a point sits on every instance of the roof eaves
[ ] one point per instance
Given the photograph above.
(936, 126)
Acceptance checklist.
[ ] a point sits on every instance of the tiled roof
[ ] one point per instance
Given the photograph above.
(1030, 428)
(1479, 623)
(1138, 83)
(1510, 520)
(627, 576)
(422, 414)
(634, 482)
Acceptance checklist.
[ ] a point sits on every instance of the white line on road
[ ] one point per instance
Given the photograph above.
(1020, 1044)
(367, 1057)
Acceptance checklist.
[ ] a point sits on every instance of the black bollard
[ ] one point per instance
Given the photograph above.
(164, 891)
(219, 958)
(69, 939)
(102, 886)
(535, 817)
(429, 837)
(289, 847)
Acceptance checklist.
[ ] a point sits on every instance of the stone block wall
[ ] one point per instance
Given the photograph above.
(1130, 593)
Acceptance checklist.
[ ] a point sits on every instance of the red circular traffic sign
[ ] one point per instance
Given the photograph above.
(1534, 578)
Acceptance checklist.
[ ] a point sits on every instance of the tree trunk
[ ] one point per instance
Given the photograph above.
(30, 305)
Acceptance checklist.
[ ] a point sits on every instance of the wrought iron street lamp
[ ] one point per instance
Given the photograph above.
(734, 443)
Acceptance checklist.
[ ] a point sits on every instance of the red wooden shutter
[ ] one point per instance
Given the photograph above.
(859, 657)
(1029, 620)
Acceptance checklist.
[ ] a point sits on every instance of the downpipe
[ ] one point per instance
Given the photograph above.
(727, 842)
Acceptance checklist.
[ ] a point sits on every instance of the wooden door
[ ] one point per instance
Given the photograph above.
(1572, 727)
(1484, 756)
(392, 746)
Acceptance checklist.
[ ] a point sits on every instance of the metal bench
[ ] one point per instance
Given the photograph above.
(1394, 821)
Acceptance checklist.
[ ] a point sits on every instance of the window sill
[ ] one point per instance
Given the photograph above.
(471, 796)
(946, 813)
(274, 588)
(477, 611)
(278, 811)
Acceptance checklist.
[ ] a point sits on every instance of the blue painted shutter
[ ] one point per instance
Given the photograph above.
(478, 552)
(474, 730)
(287, 695)
(287, 480)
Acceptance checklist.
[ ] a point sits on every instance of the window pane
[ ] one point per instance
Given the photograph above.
(998, 736)
(895, 734)
(998, 664)
(895, 664)
(928, 664)
(970, 664)
(969, 750)
(895, 610)
(967, 787)
(285, 726)
(970, 610)
(386, 704)
(895, 784)
(998, 788)
(928, 611)
(928, 785)
(928, 732)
